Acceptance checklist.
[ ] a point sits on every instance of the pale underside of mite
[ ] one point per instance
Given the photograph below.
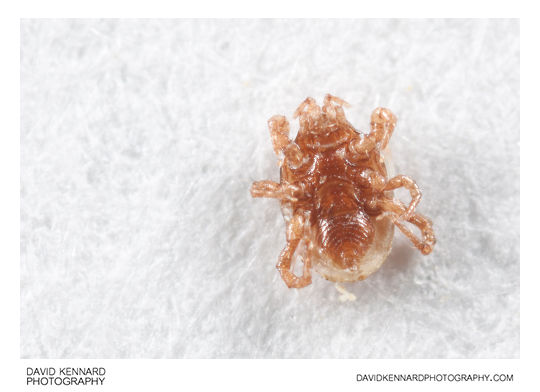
(336, 196)
(364, 266)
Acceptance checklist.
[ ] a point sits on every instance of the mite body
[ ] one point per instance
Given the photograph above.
(335, 194)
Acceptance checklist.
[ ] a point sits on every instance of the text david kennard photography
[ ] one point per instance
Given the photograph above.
(65, 376)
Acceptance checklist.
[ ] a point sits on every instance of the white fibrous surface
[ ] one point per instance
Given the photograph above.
(140, 140)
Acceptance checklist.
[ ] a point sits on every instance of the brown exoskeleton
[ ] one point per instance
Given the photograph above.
(335, 194)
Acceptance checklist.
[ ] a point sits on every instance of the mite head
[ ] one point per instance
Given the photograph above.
(324, 126)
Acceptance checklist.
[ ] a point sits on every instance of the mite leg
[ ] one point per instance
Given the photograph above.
(398, 209)
(279, 133)
(333, 107)
(284, 148)
(294, 235)
(308, 103)
(361, 145)
(308, 112)
(274, 190)
(371, 179)
(377, 182)
(328, 99)
(409, 184)
(383, 123)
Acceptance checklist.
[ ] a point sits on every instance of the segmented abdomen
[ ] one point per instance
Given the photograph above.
(344, 230)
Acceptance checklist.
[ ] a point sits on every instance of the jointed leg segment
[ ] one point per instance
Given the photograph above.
(294, 235)
(333, 107)
(378, 182)
(398, 209)
(271, 189)
(383, 122)
(409, 184)
(428, 237)
(283, 146)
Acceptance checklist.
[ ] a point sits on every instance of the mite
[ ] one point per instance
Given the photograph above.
(335, 194)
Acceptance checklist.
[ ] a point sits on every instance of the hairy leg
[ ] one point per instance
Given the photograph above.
(398, 209)
(330, 99)
(409, 184)
(285, 149)
(308, 112)
(309, 104)
(271, 189)
(376, 182)
(333, 107)
(383, 123)
(295, 229)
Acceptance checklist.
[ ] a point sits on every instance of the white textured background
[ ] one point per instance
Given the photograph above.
(139, 142)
